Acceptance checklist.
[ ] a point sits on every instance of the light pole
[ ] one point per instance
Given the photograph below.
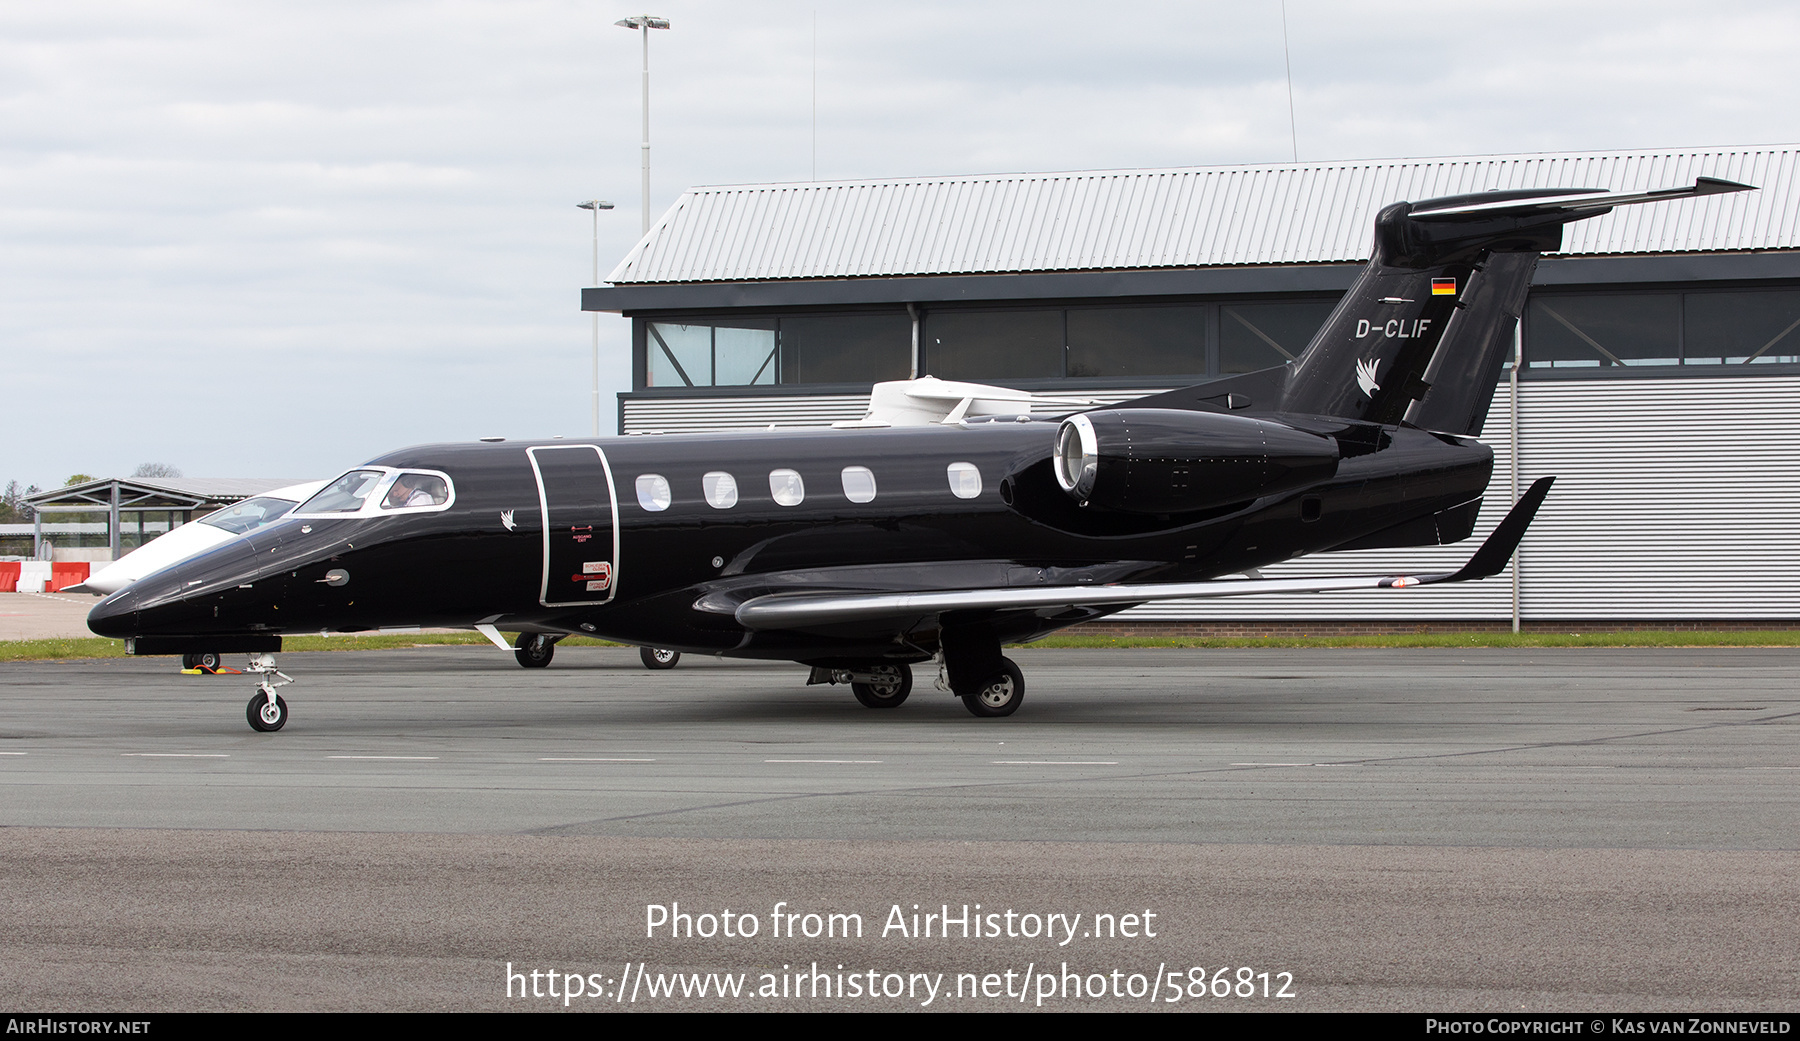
(644, 23)
(596, 205)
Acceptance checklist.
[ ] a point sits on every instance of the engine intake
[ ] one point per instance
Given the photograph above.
(1155, 460)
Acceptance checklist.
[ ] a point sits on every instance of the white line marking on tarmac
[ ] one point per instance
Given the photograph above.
(177, 755)
(1274, 764)
(407, 757)
(822, 760)
(1056, 762)
(584, 759)
(15, 753)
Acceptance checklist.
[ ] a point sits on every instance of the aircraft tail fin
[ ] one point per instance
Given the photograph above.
(1423, 333)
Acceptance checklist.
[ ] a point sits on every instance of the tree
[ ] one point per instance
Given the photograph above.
(12, 504)
(155, 470)
(78, 479)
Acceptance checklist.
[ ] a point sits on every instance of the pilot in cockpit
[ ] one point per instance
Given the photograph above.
(415, 490)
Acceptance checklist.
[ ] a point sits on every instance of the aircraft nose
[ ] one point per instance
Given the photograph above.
(117, 616)
(170, 601)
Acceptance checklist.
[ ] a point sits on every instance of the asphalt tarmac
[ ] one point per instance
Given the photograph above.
(1482, 830)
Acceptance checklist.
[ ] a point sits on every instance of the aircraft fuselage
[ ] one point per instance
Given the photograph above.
(554, 536)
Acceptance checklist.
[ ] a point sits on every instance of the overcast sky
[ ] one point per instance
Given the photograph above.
(262, 239)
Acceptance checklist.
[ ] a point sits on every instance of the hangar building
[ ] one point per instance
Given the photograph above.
(1661, 348)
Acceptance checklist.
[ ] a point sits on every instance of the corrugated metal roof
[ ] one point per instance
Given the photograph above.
(1291, 213)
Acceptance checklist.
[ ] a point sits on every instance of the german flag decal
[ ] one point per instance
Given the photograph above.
(1443, 287)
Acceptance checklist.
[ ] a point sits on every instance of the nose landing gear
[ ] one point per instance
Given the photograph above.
(267, 711)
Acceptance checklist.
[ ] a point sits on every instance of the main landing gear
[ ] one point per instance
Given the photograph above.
(988, 687)
(876, 685)
(658, 657)
(267, 711)
(209, 660)
(1000, 695)
(988, 683)
(534, 650)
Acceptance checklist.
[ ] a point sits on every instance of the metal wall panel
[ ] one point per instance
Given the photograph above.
(1136, 219)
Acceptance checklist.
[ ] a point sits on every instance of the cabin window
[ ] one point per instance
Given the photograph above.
(965, 480)
(346, 494)
(720, 488)
(653, 492)
(787, 487)
(416, 490)
(859, 484)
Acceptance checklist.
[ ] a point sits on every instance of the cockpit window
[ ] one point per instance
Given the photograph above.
(346, 494)
(249, 514)
(416, 490)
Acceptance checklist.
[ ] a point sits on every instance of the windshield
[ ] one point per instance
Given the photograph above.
(251, 513)
(346, 494)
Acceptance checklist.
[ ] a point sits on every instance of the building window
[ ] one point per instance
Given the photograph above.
(856, 348)
(1750, 327)
(985, 345)
(1603, 330)
(1262, 336)
(725, 353)
(1610, 331)
(1137, 341)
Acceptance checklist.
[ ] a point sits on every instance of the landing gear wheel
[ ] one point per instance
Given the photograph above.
(208, 660)
(534, 650)
(658, 657)
(1001, 695)
(264, 717)
(888, 693)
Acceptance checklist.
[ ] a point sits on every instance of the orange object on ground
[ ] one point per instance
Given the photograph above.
(66, 573)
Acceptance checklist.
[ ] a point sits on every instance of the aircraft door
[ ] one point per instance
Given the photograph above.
(581, 525)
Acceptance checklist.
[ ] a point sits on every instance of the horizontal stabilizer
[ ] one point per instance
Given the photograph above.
(1539, 202)
(810, 610)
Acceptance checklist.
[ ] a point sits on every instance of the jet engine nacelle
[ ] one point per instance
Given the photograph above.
(1155, 460)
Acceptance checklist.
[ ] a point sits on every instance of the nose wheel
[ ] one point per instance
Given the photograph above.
(267, 711)
(266, 716)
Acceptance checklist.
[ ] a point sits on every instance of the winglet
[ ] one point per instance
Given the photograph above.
(1491, 558)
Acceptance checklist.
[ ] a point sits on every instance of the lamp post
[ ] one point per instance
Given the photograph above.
(644, 23)
(596, 205)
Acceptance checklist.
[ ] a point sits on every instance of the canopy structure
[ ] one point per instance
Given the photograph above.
(119, 496)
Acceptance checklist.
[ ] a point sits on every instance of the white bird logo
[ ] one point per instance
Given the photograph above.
(1365, 377)
(506, 518)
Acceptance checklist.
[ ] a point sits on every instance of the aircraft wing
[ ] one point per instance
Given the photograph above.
(803, 610)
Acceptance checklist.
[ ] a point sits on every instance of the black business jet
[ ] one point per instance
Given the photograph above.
(860, 552)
